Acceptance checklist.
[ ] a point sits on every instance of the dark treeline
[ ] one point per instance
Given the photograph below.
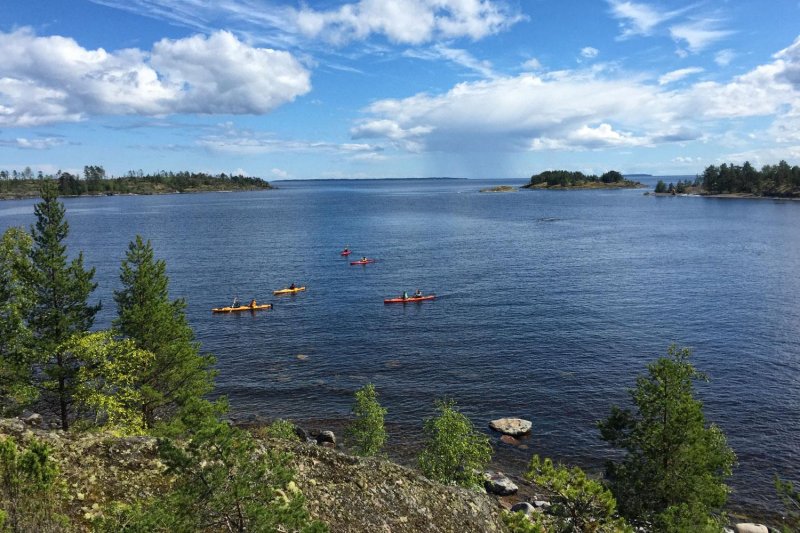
(95, 181)
(565, 178)
(779, 180)
(771, 180)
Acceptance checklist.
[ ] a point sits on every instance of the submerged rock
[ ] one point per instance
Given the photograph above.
(511, 426)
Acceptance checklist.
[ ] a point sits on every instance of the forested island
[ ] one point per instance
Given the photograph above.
(772, 181)
(565, 179)
(95, 182)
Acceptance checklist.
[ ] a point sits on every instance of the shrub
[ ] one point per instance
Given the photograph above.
(578, 503)
(29, 491)
(367, 433)
(454, 451)
(223, 482)
(280, 429)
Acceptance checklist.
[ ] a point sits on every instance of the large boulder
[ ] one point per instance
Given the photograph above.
(497, 483)
(523, 507)
(326, 437)
(748, 527)
(511, 426)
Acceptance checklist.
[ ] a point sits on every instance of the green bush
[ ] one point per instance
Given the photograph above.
(29, 490)
(454, 451)
(578, 503)
(790, 496)
(280, 429)
(223, 482)
(367, 433)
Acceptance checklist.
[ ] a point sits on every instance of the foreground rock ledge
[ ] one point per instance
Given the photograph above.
(350, 494)
(516, 427)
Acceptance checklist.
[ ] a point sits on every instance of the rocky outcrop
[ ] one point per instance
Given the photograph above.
(350, 494)
(515, 427)
(747, 527)
(497, 483)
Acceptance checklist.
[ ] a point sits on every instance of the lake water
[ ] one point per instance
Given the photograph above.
(549, 304)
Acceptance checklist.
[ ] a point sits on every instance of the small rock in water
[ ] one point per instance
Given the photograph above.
(326, 436)
(523, 507)
(301, 357)
(497, 483)
(511, 426)
(508, 439)
(748, 527)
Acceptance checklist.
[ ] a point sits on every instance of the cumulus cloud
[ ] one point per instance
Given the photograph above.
(408, 21)
(581, 109)
(679, 74)
(54, 79)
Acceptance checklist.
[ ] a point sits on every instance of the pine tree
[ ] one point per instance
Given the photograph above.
(15, 337)
(61, 292)
(674, 471)
(158, 325)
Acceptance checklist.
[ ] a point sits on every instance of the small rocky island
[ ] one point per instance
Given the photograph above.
(565, 179)
(500, 188)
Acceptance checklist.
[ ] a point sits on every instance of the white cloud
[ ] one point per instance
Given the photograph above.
(455, 55)
(582, 109)
(230, 140)
(43, 143)
(531, 65)
(408, 21)
(589, 53)
(279, 173)
(698, 34)
(723, 58)
(638, 18)
(54, 79)
(679, 74)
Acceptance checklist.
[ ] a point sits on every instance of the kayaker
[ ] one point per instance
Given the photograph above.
(253, 303)
(405, 295)
(235, 302)
(418, 294)
(363, 258)
(292, 286)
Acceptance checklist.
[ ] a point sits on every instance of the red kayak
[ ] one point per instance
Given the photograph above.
(362, 262)
(345, 252)
(409, 299)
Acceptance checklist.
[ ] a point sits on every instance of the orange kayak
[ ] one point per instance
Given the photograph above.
(409, 299)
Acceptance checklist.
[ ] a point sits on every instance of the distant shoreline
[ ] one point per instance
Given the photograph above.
(107, 194)
(585, 186)
(728, 196)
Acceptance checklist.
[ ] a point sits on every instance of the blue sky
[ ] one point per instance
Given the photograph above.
(403, 88)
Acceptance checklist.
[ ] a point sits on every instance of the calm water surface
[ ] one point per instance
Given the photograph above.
(550, 303)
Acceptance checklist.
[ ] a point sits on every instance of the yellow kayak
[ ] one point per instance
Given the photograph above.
(240, 308)
(289, 291)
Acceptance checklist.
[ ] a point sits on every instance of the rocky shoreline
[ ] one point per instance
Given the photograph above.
(350, 494)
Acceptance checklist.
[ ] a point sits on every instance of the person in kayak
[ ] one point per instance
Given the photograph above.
(292, 286)
(235, 302)
(405, 295)
(364, 259)
(253, 303)
(418, 294)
